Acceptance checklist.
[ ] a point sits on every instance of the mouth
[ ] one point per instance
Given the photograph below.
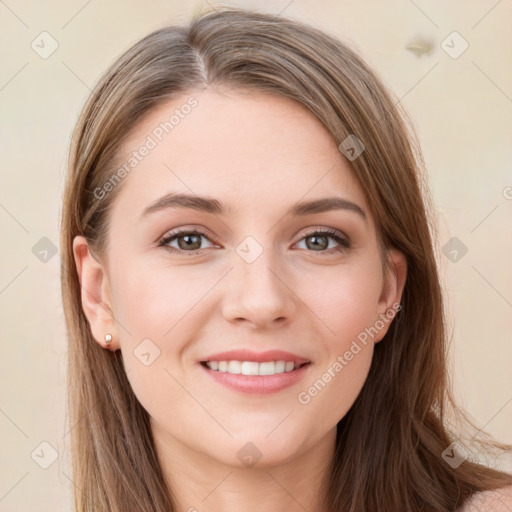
(247, 371)
(253, 368)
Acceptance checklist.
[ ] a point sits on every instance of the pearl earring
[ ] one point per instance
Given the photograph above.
(108, 339)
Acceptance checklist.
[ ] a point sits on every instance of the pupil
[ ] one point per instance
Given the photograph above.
(316, 244)
(189, 240)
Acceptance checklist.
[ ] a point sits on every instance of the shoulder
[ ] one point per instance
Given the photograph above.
(497, 500)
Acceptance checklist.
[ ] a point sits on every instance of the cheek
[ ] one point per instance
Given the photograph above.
(347, 306)
(340, 375)
(150, 298)
(345, 299)
(340, 385)
(337, 380)
(156, 306)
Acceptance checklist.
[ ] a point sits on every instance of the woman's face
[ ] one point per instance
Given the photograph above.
(263, 181)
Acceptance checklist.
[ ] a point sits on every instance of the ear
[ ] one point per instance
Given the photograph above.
(95, 294)
(392, 289)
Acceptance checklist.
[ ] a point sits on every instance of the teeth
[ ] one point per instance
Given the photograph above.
(234, 367)
(267, 368)
(280, 366)
(251, 367)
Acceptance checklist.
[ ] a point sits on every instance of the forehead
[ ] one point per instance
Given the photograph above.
(247, 148)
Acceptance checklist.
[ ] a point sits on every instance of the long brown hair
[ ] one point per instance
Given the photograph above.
(390, 443)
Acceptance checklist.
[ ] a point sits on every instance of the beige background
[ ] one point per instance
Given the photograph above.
(461, 108)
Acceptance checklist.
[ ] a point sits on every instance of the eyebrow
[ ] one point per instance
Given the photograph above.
(216, 207)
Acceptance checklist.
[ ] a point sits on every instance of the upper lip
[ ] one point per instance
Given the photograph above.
(257, 357)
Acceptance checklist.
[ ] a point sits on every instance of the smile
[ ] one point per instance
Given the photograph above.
(252, 367)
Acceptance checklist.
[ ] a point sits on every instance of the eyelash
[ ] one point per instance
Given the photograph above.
(344, 244)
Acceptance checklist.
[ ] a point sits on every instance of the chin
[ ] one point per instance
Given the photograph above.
(258, 451)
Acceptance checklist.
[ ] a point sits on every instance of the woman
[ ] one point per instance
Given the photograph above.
(254, 313)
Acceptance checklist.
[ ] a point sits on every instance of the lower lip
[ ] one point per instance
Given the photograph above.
(259, 384)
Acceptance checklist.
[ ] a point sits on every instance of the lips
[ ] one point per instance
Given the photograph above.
(259, 373)
(270, 380)
(257, 357)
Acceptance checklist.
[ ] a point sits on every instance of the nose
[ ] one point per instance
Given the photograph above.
(259, 295)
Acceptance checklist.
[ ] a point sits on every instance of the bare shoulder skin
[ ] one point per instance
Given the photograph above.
(499, 500)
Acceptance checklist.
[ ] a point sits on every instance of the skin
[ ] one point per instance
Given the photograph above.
(259, 154)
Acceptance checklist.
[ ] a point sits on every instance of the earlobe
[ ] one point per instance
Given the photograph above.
(95, 294)
(392, 290)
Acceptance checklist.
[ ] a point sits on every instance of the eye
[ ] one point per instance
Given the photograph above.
(319, 239)
(188, 241)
